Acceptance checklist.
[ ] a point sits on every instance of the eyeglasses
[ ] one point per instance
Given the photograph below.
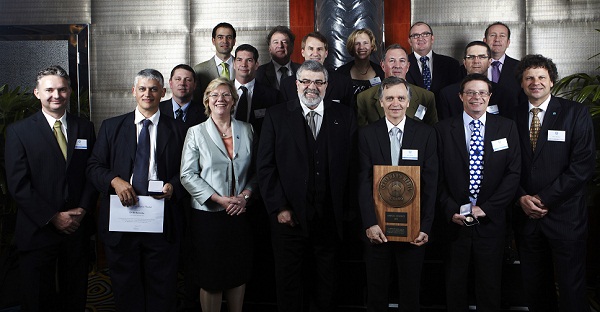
(307, 82)
(217, 95)
(417, 36)
(474, 57)
(474, 93)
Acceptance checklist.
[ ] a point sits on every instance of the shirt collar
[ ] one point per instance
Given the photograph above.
(501, 60)
(319, 109)
(399, 126)
(229, 61)
(183, 107)
(278, 66)
(139, 117)
(249, 85)
(429, 55)
(51, 120)
(543, 106)
(467, 119)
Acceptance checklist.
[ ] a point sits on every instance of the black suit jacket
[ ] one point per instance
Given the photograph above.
(113, 156)
(263, 97)
(195, 112)
(451, 105)
(43, 183)
(266, 74)
(446, 71)
(508, 79)
(558, 171)
(501, 173)
(374, 149)
(339, 89)
(282, 160)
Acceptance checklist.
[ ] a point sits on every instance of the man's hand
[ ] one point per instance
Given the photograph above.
(458, 219)
(167, 192)
(532, 206)
(477, 212)
(125, 191)
(375, 235)
(421, 239)
(286, 217)
(68, 221)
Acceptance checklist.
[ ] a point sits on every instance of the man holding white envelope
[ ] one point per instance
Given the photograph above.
(137, 155)
(480, 166)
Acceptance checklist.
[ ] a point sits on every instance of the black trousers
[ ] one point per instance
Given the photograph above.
(305, 266)
(54, 278)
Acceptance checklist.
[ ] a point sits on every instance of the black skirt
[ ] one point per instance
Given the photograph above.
(221, 249)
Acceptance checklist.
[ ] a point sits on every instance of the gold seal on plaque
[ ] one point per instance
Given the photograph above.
(397, 189)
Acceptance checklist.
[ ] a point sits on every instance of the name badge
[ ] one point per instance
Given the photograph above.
(493, 109)
(337, 101)
(420, 112)
(259, 113)
(500, 144)
(410, 154)
(556, 135)
(81, 144)
(375, 81)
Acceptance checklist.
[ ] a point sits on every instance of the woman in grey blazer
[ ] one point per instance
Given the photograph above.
(217, 171)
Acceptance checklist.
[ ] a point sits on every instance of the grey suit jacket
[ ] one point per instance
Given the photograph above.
(369, 110)
(206, 167)
(205, 73)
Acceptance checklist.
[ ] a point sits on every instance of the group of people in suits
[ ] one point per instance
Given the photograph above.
(284, 138)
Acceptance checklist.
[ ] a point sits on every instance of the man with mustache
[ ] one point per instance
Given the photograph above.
(181, 107)
(220, 65)
(303, 163)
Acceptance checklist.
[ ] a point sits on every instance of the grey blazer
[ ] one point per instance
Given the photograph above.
(206, 167)
(205, 73)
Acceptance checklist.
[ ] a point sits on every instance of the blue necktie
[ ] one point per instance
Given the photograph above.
(395, 146)
(141, 164)
(426, 72)
(475, 158)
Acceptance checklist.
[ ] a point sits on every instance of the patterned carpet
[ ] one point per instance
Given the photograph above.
(100, 297)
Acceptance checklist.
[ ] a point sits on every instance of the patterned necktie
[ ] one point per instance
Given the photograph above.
(395, 134)
(426, 72)
(284, 73)
(496, 71)
(311, 123)
(179, 114)
(475, 158)
(225, 73)
(534, 130)
(141, 164)
(241, 111)
(60, 138)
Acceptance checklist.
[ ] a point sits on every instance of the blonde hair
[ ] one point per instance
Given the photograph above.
(214, 84)
(352, 38)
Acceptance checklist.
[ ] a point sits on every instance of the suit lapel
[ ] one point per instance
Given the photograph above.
(236, 128)
(215, 136)
(297, 124)
(130, 138)
(550, 117)
(377, 105)
(458, 136)
(383, 137)
(72, 131)
(523, 127)
(414, 71)
(491, 130)
(163, 133)
(48, 135)
(271, 75)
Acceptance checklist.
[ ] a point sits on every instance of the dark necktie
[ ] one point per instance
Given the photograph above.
(141, 165)
(241, 112)
(312, 123)
(284, 73)
(179, 114)
(426, 72)
(534, 130)
(60, 137)
(496, 71)
(475, 158)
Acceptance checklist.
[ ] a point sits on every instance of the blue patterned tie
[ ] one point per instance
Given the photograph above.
(395, 146)
(142, 161)
(426, 72)
(475, 158)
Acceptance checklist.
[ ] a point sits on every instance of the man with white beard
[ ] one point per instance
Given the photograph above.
(303, 162)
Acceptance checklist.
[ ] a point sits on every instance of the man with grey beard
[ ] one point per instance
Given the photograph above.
(303, 162)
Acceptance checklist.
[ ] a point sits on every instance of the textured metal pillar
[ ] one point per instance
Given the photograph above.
(336, 19)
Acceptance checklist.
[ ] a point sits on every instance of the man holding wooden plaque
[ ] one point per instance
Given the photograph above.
(398, 171)
(480, 165)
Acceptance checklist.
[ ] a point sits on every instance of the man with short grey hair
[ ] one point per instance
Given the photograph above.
(303, 166)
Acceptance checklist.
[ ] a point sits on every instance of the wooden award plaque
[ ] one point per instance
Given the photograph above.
(397, 196)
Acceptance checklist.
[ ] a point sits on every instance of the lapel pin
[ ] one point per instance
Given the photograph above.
(554, 113)
(335, 122)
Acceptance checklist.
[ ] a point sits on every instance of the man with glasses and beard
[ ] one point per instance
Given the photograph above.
(303, 166)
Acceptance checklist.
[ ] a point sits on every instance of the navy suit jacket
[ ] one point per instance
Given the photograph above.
(113, 156)
(501, 172)
(508, 79)
(282, 160)
(266, 74)
(339, 89)
(43, 183)
(194, 115)
(557, 171)
(450, 104)
(374, 149)
(446, 71)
